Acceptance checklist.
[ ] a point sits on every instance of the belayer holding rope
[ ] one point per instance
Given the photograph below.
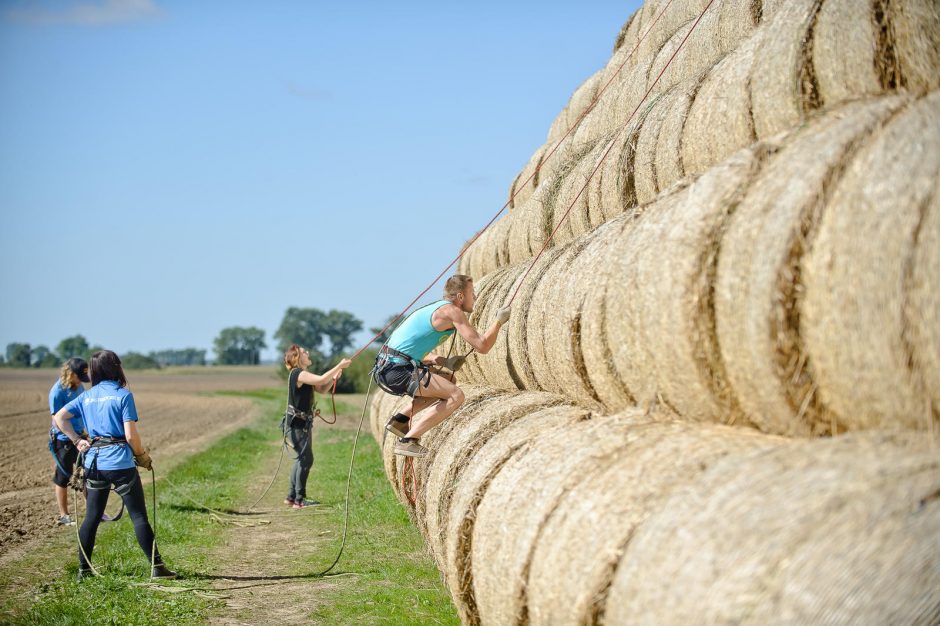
(108, 458)
(69, 386)
(403, 365)
(298, 419)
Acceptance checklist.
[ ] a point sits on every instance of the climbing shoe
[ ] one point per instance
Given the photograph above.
(162, 571)
(408, 446)
(64, 520)
(397, 428)
(303, 503)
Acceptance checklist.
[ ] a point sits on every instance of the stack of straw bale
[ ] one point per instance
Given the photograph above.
(718, 397)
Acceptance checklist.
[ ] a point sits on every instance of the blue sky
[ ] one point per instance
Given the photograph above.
(168, 169)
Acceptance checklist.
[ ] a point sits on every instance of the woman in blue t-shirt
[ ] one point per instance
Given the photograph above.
(110, 417)
(67, 388)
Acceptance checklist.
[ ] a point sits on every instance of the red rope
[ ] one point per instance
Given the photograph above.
(551, 152)
(408, 468)
(606, 152)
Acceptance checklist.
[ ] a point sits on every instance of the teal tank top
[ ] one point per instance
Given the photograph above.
(416, 336)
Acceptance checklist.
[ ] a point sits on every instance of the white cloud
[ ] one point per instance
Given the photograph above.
(101, 13)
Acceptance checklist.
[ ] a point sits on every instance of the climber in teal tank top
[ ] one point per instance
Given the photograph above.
(403, 366)
(416, 336)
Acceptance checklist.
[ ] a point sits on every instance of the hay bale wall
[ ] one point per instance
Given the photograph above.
(718, 396)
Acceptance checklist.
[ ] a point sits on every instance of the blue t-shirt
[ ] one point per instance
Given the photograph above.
(59, 396)
(105, 407)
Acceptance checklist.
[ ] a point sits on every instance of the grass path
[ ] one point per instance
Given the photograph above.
(248, 574)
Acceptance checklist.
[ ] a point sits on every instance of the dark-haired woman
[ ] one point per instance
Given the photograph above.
(300, 387)
(69, 386)
(110, 417)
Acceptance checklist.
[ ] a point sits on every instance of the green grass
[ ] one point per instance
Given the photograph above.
(395, 581)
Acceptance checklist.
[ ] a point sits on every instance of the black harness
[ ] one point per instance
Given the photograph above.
(420, 373)
(81, 480)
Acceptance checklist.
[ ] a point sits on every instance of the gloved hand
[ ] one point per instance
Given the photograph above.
(502, 316)
(454, 363)
(143, 460)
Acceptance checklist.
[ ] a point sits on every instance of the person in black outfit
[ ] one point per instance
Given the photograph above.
(299, 417)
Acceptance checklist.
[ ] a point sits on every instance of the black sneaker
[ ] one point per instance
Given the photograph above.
(399, 429)
(162, 571)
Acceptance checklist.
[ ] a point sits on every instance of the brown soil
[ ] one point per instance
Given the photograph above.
(177, 417)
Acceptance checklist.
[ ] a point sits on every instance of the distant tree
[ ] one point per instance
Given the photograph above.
(239, 345)
(138, 361)
(384, 335)
(18, 354)
(42, 356)
(73, 346)
(339, 327)
(303, 326)
(186, 356)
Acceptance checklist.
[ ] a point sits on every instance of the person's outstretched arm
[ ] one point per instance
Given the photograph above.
(323, 382)
(481, 343)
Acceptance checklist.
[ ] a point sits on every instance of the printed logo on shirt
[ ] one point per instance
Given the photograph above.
(101, 399)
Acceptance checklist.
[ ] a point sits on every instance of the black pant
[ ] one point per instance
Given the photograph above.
(300, 440)
(65, 453)
(127, 483)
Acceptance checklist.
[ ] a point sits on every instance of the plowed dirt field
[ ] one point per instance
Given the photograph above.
(178, 416)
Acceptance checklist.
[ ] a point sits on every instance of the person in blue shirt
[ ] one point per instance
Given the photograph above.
(403, 364)
(69, 386)
(115, 446)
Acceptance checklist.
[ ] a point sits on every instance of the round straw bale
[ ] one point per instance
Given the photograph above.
(527, 180)
(644, 160)
(511, 515)
(696, 49)
(477, 398)
(782, 85)
(674, 259)
(738, 20)
(571, 204)
(628, 34)
(856, 320)
(527, 227)
(604, 379)
(593, 522)
(543, 307)
(597, 213)
(622, 325)
(758, 280)
(617, 183)
(671, 18)
(558, 127)
(519, 323)
(719, 120)
(669, 168)
(471, 370)
(473, 483)
(562, 333)
(913, 30)
(844, 51)
(497, 368)
(925, 302)
(472, 431)
(839, 530)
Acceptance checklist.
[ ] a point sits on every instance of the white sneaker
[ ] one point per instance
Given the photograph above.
(64, 520)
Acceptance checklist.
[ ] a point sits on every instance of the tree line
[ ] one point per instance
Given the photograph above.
(327, 335)
(24, 355)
